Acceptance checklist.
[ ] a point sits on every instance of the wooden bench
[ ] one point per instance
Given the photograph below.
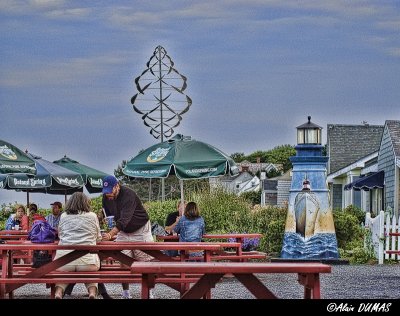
(212, 272)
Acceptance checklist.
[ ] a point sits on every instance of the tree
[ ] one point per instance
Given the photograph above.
(280, 155)
(238, 157)
(257, 154)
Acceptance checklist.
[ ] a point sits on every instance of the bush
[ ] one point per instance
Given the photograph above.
(361, 255)
(347, 228)
(253, 197)
(355, 211)
(223, 212)
(270, 221)
(158, 211)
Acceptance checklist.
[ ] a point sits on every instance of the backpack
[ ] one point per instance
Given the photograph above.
(42, 232)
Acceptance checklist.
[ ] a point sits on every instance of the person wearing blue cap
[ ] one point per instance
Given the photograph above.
(131, 219)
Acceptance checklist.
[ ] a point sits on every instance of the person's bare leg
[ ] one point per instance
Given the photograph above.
(58, 293)
(92, 292)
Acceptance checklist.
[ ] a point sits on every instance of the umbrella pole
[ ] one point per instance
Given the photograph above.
(182, 195)
(27, 203)
(162, 190)
(150, 189)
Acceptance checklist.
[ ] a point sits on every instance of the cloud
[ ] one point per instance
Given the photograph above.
(61, 72)
(22, 7)
(394, 51)
(76, 13)
(393, 25)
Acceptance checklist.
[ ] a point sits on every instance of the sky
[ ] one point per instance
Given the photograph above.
(255, 70)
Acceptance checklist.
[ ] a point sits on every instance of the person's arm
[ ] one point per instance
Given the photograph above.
(178, 226)
(98, 234)
(114, 231)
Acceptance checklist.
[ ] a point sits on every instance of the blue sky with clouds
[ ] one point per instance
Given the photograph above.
(255, 69)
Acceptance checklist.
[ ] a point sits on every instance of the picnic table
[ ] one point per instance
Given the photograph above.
(245, 272)
(12, 278)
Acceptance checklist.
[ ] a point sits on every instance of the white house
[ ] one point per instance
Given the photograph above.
(243, 182)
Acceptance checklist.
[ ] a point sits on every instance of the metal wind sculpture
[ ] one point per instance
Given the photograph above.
(165, 101)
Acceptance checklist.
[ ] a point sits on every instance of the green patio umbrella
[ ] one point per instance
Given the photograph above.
(181, 156)
(14, 160)
(50, 178)
(92, 178)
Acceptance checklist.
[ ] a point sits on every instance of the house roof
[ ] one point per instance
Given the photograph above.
(349, 143)
(394, 131)
(254, 167)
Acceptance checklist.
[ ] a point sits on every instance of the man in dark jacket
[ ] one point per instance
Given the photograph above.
(131, 219)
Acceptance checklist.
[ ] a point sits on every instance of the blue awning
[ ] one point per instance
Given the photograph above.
(366, 183)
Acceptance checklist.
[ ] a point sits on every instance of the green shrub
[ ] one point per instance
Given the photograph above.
(253, 197)
(361, 256)
(158, 211)
(270, 221)
(356, 211)
(223, 212)
(347, 229)
(274, 236)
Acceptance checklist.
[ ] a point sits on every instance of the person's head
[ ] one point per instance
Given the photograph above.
(191, 210)
(180, 206)
(56, 208)
(111, 187)
(78, 203)
(33, 208)
(20, 211)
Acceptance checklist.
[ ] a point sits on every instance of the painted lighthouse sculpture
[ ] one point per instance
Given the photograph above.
(309, 230)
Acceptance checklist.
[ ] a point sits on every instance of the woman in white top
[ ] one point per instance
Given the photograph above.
(79, 226)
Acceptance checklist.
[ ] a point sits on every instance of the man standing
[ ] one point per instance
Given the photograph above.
(131, 219)
(54, 218)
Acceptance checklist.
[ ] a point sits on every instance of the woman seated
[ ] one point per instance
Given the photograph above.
(78, 226)
(191, 226)
(19, 220)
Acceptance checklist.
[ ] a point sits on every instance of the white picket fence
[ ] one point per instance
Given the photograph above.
(381, 228)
